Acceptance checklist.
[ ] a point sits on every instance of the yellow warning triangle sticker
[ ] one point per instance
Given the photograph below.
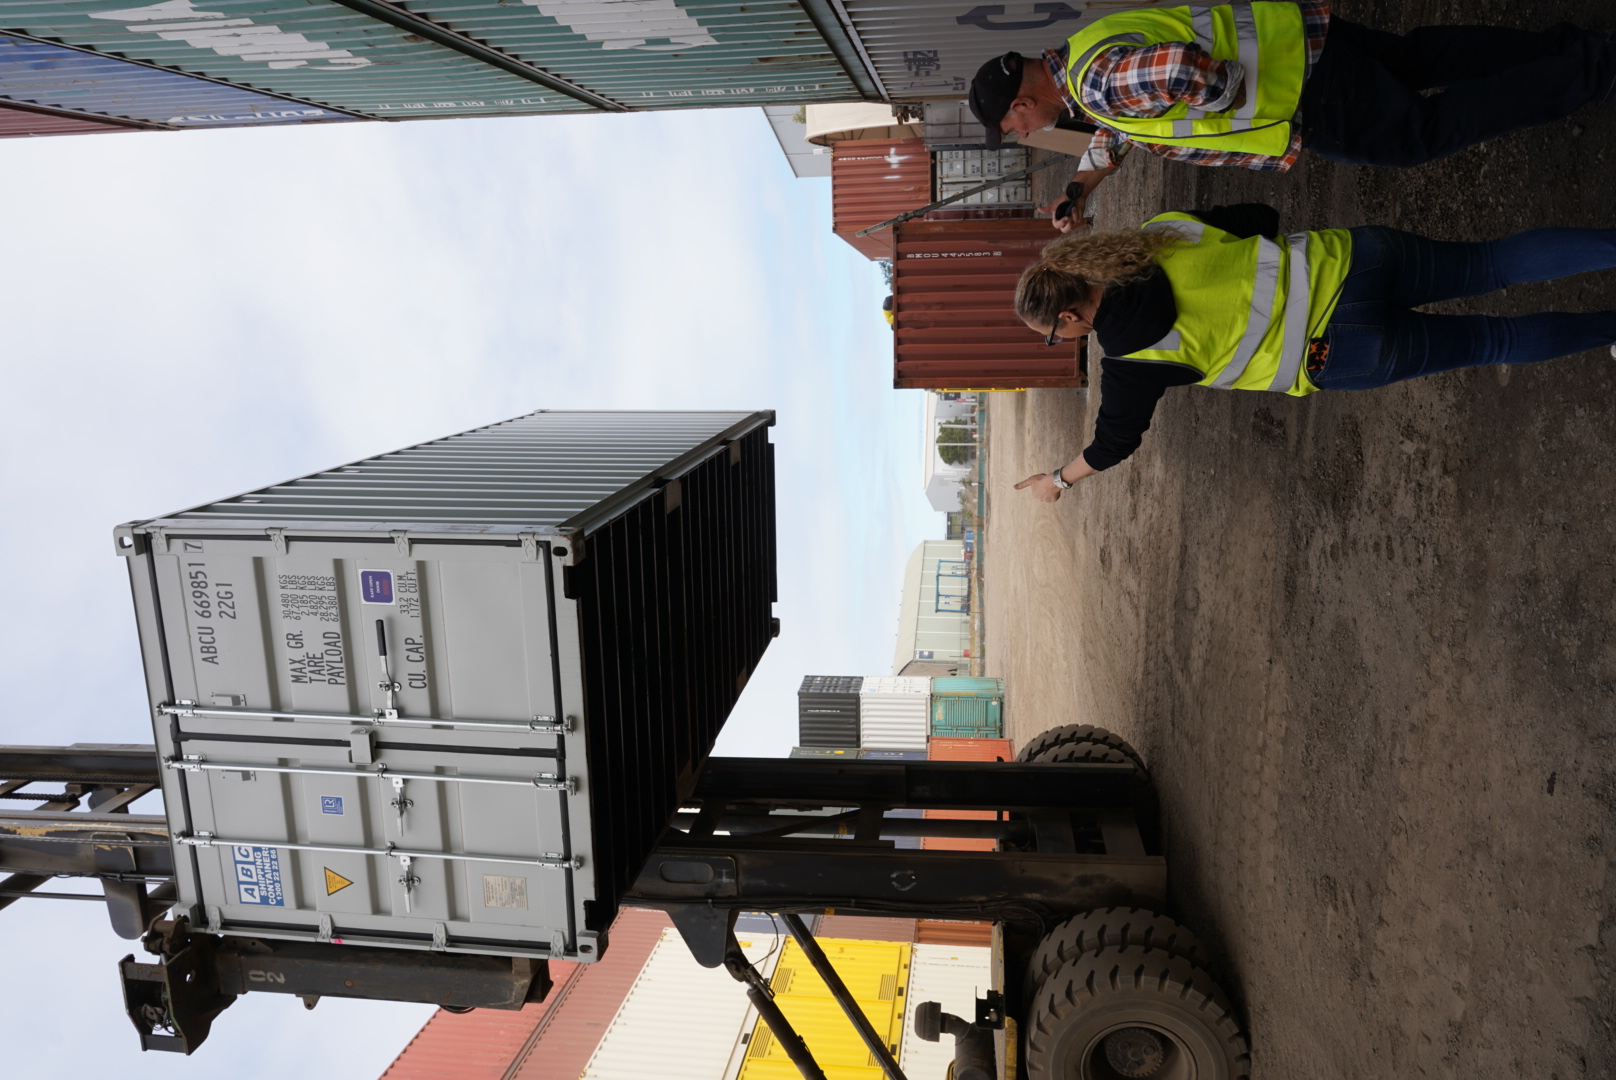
(334, 882)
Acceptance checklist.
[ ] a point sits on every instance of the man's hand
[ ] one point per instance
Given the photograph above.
(1085, 181)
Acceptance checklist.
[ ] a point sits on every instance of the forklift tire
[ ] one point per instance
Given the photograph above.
(1094, 739)
(1092, 931)
(1133, 1014)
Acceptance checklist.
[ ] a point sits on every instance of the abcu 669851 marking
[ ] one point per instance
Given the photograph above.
(208, 602)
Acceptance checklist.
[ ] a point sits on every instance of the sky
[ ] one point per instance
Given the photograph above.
(191, 315)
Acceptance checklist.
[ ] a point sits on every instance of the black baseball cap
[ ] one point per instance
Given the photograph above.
(997, 83)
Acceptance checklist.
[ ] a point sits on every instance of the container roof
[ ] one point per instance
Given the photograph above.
(545, 472)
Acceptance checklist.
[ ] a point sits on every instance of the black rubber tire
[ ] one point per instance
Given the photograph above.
(1041, 747)
(1092, 931)
(1093, 995)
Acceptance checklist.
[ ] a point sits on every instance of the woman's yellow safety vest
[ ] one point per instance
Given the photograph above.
(1248, 308)
(1266, 37)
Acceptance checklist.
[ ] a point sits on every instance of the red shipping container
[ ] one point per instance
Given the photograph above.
(22, 123)
(872, 180)
(865, 928)
(951, 932)
(954, 284)
(552, 1040)
(942, 749)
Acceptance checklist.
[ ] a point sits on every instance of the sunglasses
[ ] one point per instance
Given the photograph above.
(1054, 337)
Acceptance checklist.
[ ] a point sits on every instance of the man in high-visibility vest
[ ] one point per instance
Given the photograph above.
(1252, 85)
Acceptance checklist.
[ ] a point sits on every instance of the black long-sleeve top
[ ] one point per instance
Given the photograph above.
(1135, 316)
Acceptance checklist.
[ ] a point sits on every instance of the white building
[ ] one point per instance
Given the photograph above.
(942, 480)
(934, 616)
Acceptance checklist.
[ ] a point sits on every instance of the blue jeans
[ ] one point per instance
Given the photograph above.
(1363, 103)
(1375, 339)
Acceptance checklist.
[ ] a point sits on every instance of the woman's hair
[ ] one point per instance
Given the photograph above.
(1061, 278)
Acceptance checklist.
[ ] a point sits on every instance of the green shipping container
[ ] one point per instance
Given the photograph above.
(965, 708)
(437, 58)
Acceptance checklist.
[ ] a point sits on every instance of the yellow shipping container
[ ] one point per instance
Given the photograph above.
(876, 974)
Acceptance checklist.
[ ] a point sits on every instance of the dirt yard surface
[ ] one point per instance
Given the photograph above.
(1367, 641)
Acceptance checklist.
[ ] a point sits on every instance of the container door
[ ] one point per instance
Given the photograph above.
(319, 788)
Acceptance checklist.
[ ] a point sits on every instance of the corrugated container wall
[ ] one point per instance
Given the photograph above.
(680, 1021)
(970, 708)
(876, 973)
(954, 932)
(130, 95)
(442, 58)
(828, 710)
(923, 50)
(943, 749)
(866, 928)
(954, 976)
(493, 1044)
(956, 326)
(893, 712)
(872, 180)
(538, 626)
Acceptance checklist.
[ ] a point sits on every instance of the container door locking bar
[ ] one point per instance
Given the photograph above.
(546, 725)
(550, 861)
(543, 781)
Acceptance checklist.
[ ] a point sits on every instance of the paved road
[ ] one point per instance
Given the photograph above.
(1367, 641)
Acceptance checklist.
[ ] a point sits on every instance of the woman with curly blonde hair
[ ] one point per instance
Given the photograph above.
(1218, 298)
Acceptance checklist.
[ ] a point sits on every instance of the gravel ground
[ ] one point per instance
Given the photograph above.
(1366, 641)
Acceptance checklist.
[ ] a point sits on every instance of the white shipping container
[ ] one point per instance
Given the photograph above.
(961, 170)
(922, 50)
(681, 1021)
(894, 712)
(955, 975)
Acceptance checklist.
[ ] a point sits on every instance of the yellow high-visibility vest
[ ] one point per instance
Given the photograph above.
(1266, 37)
(1248, 307)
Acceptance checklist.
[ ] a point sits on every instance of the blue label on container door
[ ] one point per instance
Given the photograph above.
(331, 804)
(258, 875)
(376, 586)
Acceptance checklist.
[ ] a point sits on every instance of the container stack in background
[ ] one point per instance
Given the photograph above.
(902, 718)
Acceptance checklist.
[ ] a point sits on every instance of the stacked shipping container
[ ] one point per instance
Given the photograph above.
(375, 59)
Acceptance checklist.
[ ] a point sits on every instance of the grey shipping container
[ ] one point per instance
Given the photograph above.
(828, 710)
(449, 696)
(827, 753)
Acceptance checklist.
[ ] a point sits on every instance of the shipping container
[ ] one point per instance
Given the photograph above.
(945, 749)
(448, 697)
(893, 712)
(21, 123)
(872, 181)
(956, 326)
(680, 1021)
(828, 711)
(566, 1038)
(876, 974)
(903, 843)
(923, 50)
(892, 755)
(954, 933)
(440, 58)
(955, 976)
(967, 708)
(962, 170)
(491, 1044)
(866, 928)
(830, 753)
(38, 73)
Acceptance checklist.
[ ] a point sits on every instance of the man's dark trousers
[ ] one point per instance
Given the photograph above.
(1363, 105)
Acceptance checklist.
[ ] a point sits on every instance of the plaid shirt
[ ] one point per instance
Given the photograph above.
(1145, 81)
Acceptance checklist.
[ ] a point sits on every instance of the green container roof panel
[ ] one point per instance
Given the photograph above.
(319, 52)
(658, 54)
(477, 57)
(961, 684)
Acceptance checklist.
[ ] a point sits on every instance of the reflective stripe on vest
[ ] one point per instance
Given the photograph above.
(1198, 126)
(1270, 257)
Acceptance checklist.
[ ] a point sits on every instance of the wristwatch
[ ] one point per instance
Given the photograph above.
(1060, 481)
